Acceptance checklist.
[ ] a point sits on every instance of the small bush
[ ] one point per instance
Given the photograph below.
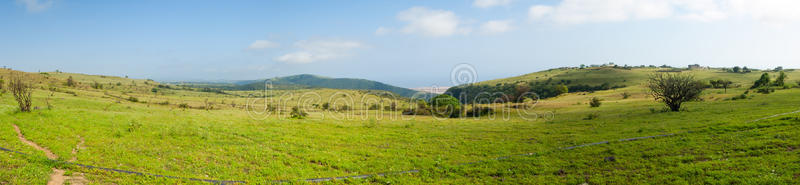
(183, 106)
(326, 106)
(133, 99)
(133, 126)
(626, 95)
(70, 82)
(765, 90)
(595, 102)
(345, 108)
(297, 113)
(374, 107)
(591, 116)
(740, 97)
(417, 111)
(96, 85)
(164, 103)
(479, 111)
(21, 91)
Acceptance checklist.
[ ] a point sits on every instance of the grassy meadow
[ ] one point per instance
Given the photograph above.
(223, 135)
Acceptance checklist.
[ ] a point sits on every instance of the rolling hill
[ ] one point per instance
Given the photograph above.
(306, 81)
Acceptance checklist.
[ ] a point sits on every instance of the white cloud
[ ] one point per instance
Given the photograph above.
(382, 31)
(537, 12)
(318, 50)
(490, 3)
(496, 26)
(262, 44)
(594, 11)
(434, 23)
(768, 11)
(36, 5)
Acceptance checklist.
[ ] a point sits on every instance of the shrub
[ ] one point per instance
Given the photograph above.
(761, 82)
(97, 85)
(326, 106)
(417, 111)
(70, 82)
(21, 91)
(765, 90)
(740, 97)
(674, 89)
(595, 102)
(374, 107)
(183, 106)
(479, 111)
(133, 99)
(591, 116)
(626, 95)
(445, 106)
(345, 108)
(297, 113)
(2, 89)
(781, 80)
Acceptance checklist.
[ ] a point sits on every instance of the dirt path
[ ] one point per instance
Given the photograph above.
(57, 177)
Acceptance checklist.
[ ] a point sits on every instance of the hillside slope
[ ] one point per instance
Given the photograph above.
(548, 83)
(305, 81)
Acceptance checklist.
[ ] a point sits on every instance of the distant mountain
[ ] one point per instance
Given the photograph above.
(313, 81)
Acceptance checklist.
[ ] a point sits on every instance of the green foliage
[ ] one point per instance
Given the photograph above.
(763, 81)
(674, 89)
(445, 106)
(479, 111)
(326, 106)
(595, 102)
(21, 89)
(374, 107)
(781, 80)
(183, 105)
(70, 82)
(591, 116)
(133, 99)
(97, 85)
(626, 95)
(297, 113)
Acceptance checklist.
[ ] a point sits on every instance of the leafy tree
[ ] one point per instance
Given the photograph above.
(737, 69)
(674, 89)
(445, 106)
(764, 81)
(721, 84)
(781, 80)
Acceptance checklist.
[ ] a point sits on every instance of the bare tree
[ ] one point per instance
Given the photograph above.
(22, 92)
(674, 89)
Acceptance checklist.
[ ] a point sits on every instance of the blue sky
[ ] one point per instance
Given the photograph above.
(405, 43)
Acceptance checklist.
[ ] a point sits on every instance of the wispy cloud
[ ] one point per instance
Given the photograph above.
(318, 50)
(496, 26)
(429, 22)
(490, 3)
(36, 5)
(597, 11)
(262, 44)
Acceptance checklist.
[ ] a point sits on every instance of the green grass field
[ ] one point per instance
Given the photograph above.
(716, 141)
